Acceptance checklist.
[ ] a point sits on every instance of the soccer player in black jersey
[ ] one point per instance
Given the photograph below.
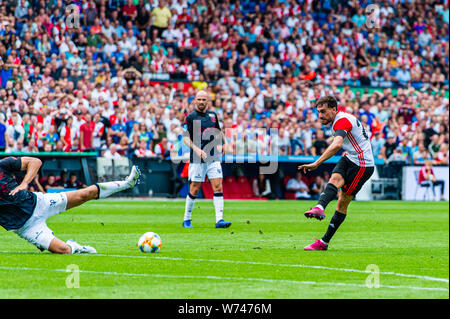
(204, 138)
(25, 213)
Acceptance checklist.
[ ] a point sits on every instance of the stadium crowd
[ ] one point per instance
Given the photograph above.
(92, 84)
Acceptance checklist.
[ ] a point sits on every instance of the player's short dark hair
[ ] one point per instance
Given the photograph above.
(329, 101)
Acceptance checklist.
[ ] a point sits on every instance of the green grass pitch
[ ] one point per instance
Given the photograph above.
(260, 256)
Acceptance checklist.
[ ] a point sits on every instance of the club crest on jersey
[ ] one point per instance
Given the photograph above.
(213, 118)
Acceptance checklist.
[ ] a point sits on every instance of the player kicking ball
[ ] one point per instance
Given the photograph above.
(203, 138)
(350, 173)
(25, 213)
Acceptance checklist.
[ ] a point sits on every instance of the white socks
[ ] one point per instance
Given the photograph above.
(190, 201)
(76, 248)
(218, 205)
(109, 188)
(320, 206)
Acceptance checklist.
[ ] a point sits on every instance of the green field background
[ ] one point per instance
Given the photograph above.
(260, 256)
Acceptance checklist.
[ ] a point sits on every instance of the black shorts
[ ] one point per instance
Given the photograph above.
(355, 176)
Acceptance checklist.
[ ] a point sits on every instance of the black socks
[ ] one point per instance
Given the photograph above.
(335, 222)
(328, 195)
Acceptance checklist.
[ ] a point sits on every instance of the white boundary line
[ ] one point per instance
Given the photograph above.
(276, 265)
(429, 278)
(226, 278)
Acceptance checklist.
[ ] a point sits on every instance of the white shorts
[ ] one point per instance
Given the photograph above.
(198, 171)
(35, 229)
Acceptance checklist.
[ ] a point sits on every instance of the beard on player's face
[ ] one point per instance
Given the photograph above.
(326, 117)
(202, 105)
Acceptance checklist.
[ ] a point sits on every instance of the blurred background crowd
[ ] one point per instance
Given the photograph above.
(93, 82)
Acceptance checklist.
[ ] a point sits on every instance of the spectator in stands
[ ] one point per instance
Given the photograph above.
(52, 137)
(161, 149)
(51, 183)
(73, 182)
(434, 146)
(118, 130)
(87, 134)
(317, 187)
(406, 150)
(161, 15)
(297, 185)
(15, 130)
(123, 148)
(31, 147)
(377, 144)
(398, 156)
(261, 187)
(426, 175)
(63, 179)
(421, 155)
(111, 152)
(389, 146)
(319, 145)
(143, 151)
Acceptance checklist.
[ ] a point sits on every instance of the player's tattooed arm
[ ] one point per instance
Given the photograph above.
(31, 165)
(329, 152)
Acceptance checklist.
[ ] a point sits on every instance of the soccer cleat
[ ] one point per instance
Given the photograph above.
(187, 224)
(135, 176)
(315, 212)
(88, 250)
(78, 249)
(317, 245)
(223, 224)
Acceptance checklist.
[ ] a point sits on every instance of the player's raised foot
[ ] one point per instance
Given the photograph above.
(223, 224)
(135, 176)
(79, 249)
(315, 212)
(188, 224)
(317, 245)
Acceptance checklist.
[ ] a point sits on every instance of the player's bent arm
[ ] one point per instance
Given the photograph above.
(32, 166)
(331, 150)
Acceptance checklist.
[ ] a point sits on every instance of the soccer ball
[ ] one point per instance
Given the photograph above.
(150, 243)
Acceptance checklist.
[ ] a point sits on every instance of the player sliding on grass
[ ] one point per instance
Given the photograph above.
(204, 137)
(350, 173)
(25, 213)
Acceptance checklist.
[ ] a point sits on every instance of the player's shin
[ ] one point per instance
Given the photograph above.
(327, 196)
(108, 188)
(337, 219)
(190, 201)
(218, 206)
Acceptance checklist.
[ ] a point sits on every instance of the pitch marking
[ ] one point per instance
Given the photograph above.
(226, 278)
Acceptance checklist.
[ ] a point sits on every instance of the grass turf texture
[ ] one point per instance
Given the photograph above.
(265, 240)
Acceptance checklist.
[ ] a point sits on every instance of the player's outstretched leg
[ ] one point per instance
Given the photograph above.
(79, 197)
(57, 246)
(336, 221)
(102, 190)
(318, 211)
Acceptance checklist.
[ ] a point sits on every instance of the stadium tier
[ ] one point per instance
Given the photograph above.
(118, 78)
